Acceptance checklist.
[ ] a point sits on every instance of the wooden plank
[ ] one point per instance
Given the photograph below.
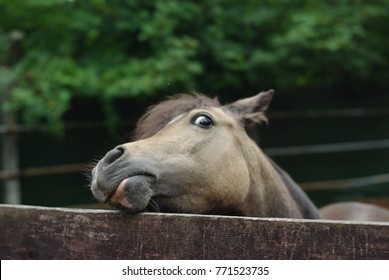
(58, 233)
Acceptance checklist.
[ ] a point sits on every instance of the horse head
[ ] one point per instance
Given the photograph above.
(191, 154)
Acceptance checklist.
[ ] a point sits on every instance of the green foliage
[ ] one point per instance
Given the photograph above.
(108, 49)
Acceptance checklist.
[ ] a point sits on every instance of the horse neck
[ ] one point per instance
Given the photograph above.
(273, 193)
(306, 207)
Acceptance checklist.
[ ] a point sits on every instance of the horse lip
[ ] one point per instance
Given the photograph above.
(145, 174)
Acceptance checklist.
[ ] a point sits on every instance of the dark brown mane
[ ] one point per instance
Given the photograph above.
(158, 116)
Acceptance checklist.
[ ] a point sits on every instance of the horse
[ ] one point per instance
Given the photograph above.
(351, 210)
(190, 154)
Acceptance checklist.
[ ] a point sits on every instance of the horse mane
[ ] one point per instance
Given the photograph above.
(159, 115)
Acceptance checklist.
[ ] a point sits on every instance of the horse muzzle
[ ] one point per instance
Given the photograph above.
(122, 182)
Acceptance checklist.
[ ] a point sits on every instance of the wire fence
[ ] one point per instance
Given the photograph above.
(11, 173)
(328, 148)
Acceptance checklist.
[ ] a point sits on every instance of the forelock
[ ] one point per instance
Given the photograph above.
(159, 115)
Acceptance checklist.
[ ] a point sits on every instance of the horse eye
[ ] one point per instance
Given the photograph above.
(203, 121)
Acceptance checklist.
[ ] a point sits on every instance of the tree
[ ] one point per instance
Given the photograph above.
(109, 49)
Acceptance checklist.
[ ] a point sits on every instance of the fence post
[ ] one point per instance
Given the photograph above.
(10, 158)
(10, 147)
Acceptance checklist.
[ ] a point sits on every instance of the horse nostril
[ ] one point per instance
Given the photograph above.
(113, 155)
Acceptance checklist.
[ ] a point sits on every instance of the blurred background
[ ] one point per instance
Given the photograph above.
(76, 75)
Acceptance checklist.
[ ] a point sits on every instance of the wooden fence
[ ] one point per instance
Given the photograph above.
(58, 233)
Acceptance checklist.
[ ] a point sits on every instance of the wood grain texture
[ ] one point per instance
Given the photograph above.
(58, 233)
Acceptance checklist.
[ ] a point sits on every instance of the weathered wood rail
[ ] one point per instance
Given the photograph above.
(57, 233)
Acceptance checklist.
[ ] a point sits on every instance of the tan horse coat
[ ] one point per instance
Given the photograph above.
(190, 154)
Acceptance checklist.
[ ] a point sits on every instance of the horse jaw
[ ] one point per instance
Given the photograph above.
(269, 196)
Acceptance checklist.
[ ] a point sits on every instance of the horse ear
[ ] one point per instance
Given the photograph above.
(252, 110)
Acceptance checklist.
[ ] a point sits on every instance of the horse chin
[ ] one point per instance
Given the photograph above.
(133, 194)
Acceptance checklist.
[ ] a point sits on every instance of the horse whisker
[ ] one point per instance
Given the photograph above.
(154, 205)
